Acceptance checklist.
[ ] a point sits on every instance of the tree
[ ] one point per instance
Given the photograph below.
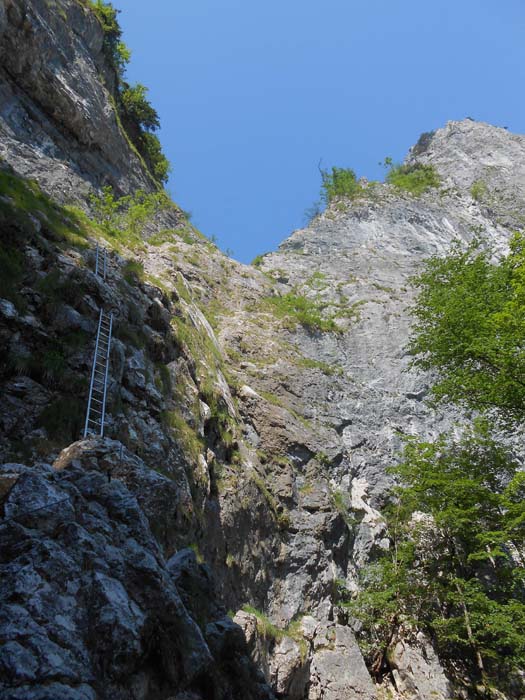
(450, 569)
(138, 108)
(340, 182)
(470, 325)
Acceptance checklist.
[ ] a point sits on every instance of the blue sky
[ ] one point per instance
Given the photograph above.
(252, 95)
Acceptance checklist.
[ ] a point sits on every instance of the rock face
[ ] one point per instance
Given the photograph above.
(247, 444)
(57, 120)
(90, 606)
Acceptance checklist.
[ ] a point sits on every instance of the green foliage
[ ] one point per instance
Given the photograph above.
(299, 309)
(456, 528)
(138, 108)
(196, 550)
(273, 633)
(131, 103)
(325, 368)
(187, 438)
(124, 218)
(340, 182)
(258, 259)
(22, 201)
(63, 419)
(470, 324)
(416, 178)
(163, 379)
(280, 513)
(53, 365)
(133, 272)
(265, 627)
(478, 190)
(151, 149)
(116, 50)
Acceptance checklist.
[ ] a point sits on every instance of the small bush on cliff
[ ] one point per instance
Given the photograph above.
(415, 179)
(340, 182)
(152, 151)
(124, 218)
(478, 190)
(117, 51)
(295, 309)
(138, 107)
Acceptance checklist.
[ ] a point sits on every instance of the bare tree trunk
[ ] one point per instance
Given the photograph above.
(470, 635)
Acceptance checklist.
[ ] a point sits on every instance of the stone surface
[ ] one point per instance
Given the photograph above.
(90, 607)
(338, 670)
(417, 672)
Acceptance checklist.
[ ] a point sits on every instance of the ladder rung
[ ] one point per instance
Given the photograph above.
(97, 401)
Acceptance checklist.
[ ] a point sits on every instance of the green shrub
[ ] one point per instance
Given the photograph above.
(131, 104)
(453, 570)
(22, 201)
(138, 108)
(63, 419)
(188, 439)
(116, 50)
(133, 272)
(416, 178)
(341, 182)
(124, 218)
(299, 309)
(53, 365)
(265, 627)
(257, 261)
(478, 190)
(152, 151)
(325, 368)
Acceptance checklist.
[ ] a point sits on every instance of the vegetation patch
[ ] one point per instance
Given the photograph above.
(295, 309)
(324, 367)
(339, 183)
(22, 201)
(415, 178)
(258, 260)
(479, 190)
(185, 435)
(134, 112)
(63, 419)
(454, 567)
(133, 272)
(280, 513)
(273, 633)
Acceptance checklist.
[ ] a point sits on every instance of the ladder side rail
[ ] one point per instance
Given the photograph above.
(105, 263)
(92, 376)
(106, 378)
(96, 260)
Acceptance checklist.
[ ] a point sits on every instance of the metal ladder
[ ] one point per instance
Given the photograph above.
(96, 408)
(101, 262)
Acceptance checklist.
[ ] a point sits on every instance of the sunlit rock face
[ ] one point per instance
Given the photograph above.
(247, 445)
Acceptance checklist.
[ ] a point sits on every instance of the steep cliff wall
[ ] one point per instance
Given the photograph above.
(252, 412)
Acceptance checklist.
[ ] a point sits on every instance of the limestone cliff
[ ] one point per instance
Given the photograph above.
(252, 410)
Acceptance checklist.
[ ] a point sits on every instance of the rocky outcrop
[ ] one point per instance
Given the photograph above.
(91, 608)
(58, 124)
